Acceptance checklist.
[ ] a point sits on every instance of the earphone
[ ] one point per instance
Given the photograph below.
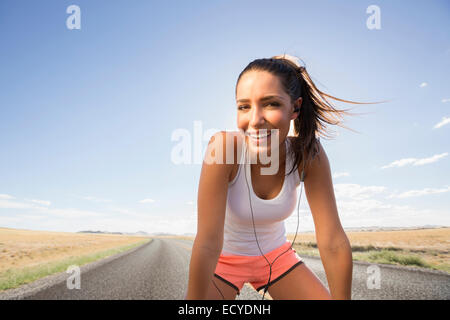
(302, 178)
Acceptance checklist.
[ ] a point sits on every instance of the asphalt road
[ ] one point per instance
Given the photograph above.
(159, 270)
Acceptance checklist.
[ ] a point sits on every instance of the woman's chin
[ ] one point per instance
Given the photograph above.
(258, 150)
(257, 147)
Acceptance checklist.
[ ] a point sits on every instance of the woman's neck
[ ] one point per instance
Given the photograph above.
(279, 158)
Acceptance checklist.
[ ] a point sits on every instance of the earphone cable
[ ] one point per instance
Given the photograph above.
(254, 229)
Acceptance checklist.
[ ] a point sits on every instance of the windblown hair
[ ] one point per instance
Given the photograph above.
(315, 112)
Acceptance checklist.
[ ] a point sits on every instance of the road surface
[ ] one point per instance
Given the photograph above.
(159, 270)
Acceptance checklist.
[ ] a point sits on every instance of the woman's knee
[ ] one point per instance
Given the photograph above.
(219, 290)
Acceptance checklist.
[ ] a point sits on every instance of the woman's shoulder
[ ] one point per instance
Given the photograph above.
(234, 148)
(232, 134)
(229, 134)
(229, 143)
(234, 139)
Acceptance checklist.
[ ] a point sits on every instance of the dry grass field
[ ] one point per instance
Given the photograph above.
(419, 239)
(429, 248)
(26, 255)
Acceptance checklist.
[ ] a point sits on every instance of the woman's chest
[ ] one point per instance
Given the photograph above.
(242, 205)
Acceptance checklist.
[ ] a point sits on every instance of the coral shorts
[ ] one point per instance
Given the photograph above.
(237, 270)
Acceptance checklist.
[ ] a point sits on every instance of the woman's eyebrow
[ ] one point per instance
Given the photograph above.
(262, 99)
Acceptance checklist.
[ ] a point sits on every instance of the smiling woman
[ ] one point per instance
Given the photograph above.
(241, 212)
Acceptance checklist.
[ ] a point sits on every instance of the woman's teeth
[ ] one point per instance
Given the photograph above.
(259, 136)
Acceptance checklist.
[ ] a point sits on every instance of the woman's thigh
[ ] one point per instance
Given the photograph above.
(299, 284)
(226, 291)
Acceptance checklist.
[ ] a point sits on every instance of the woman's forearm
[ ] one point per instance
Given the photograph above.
(201, 271)
(338, 265)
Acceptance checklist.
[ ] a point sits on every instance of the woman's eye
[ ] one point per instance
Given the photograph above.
(274, 104)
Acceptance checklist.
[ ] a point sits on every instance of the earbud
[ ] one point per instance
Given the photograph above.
(302, 176)
(297, 110)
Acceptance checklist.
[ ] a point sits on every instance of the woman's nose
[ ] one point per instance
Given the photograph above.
(256, 117)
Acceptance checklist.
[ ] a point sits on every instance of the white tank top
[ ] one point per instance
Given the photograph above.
(269, 215)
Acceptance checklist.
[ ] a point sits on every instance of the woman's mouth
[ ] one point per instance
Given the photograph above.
(259, 137)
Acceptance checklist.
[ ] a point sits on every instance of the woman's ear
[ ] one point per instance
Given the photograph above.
(297, 107)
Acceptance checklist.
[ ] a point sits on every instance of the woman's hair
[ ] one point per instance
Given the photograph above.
(315, 112)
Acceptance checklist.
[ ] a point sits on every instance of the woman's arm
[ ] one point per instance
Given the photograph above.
(334, 246)
(211, 203)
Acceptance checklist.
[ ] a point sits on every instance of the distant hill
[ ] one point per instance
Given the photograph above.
(106, 232)
(375, 228)
(139, 233)
(163, 234)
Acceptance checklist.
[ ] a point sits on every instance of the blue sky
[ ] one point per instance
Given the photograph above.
(87, 116)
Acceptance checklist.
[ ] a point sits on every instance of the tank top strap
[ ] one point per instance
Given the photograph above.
(290, 159)
(241, 161)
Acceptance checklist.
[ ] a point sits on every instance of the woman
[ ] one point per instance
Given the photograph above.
(240, 233)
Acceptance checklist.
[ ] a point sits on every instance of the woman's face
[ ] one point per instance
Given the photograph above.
(263, 107)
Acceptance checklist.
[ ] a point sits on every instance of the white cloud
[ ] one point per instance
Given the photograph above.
(340, 174)
(6, 197)
(95, 199)
(367, 206)
(40, 202)
(119, 210)
(417, 193)
(445, 100)
(356, 191)
(415, 161)
(400, 163)
(360, 206)
(432, 159)
(423, 84)
(443, 122)
(73, 220)
(70, 213)
(8, 204)
(147, 201)
(32, 215)
(36, 206)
